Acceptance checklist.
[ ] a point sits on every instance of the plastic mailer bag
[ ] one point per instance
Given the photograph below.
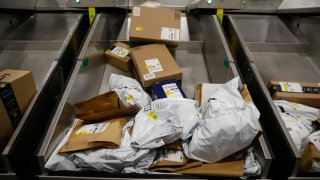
(166, 121)
(298, 119)
(129, 90)
(228, 125)
(251, 166)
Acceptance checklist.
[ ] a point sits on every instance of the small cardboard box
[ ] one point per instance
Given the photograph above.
(89, 136)
(167, 89)
(300, 92)
(157, 25)
(118, 56)
(17, 89)
(154, 63)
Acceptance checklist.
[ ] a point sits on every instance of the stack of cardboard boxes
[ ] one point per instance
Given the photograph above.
(153, 63)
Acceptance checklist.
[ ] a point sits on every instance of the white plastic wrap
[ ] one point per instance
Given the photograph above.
(165, 122)
(129, 91)
(298, 118)
(228, 125)
(251, 166)
(109, 160)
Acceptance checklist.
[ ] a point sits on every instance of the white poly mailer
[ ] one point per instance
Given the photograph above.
(227, 126)
(165, 122)
(129, 91)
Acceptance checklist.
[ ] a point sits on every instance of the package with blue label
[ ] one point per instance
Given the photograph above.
(167, 89)
(17, 89)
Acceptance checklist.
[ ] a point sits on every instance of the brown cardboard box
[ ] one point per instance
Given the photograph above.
(154, 63)
(232, 168)
(118, 56)
(303, 92)
(309, 156)
(156, 25)
(90, 136)
(103, 107)
(17, 89)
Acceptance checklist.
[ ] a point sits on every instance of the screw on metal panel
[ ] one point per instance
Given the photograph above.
(244, 2)
(77, 1)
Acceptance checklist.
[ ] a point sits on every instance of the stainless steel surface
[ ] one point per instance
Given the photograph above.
(8, 176)
(54, 5)
(200, 55)
(35, 45)
(284, 62)
(177, 4)
(18, 4)
(299, 6)
(98, 3)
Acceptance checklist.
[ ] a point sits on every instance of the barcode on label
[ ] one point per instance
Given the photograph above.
(149, 76)
(160, 105)
(136, 11)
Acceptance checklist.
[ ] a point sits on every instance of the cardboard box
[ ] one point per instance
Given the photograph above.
(17, 88)
(204, 91)
(118, 56)
(157, 25)
(154, 63)
(167, 89)
(89, 136)
(103, 107)
(300, 92)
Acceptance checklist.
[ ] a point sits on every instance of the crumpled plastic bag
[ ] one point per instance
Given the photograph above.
(165, 122)
(298, 118)
(228, 125)
(108, 160)
(129, 91)
(251, 166)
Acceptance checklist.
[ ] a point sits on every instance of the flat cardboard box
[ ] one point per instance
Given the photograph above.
(103, 107)
(118, 56)
(300, 92)
(156, 25)
(154, 63)
(17, 89)
(90, 136)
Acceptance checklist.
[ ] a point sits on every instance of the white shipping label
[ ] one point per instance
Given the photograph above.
(119, 51)
(148, 76)
(153, 65)
(92, 128)
(290, 87)
(136, 11)
(314, 138)
(170, 34)
(158, 105)
(172, 90)
(172, 155)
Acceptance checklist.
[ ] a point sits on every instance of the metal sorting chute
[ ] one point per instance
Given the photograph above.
(200, 54)
(276, 48)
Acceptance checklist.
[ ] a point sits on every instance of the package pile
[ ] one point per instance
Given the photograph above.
(125, 130)
(298, 104)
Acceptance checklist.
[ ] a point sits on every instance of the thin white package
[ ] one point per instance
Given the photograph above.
(129, 91)
(166, 121)
(113, 160)
(251, 166)
(227, 126)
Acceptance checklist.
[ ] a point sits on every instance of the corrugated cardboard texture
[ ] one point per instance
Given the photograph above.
(309, 155)
(170, 68)
(103, 107)
(24, 89)
(146, 25)
(109, 138)
(123, 64)
(308, 99)
(223, 169)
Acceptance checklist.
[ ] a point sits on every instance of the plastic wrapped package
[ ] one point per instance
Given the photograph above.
(166, 121)
(129, 91)
(228, 125)
(251, 166)
(109, 160)
(298, 118)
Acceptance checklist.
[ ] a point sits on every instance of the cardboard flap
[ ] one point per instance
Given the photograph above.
(309, 155)
(245, 94)
(222, 169)
(190, 164)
